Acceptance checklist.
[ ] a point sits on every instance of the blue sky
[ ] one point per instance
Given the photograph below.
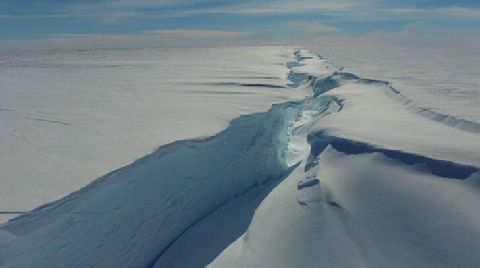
(177, 21)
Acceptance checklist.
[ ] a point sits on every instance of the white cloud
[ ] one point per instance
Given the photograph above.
(111, 9)
(148, 38)
(279, 7)
(130, 8)
(192, 33)
(312, 27)
(453, 12)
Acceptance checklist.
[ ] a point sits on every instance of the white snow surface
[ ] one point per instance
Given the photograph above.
(68, 117)
(346, 172)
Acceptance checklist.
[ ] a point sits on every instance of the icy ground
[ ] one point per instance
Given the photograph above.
(346, 172)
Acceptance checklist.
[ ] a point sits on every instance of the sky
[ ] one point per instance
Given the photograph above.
(191, 22)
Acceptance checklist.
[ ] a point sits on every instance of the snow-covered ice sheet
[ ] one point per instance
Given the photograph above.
(68, 117)
(353, 174)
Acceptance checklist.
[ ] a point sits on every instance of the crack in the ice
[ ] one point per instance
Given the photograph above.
(223, 84)
(442, 168)
(49, 121)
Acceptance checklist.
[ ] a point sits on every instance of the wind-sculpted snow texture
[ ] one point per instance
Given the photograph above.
(346, 177)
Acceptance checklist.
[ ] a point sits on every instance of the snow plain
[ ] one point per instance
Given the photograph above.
(344, 171)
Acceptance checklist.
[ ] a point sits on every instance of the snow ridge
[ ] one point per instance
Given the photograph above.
(339, 78)
(151, 202)
(442, 168)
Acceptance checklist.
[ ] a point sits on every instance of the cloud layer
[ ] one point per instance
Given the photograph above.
(198, 20)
